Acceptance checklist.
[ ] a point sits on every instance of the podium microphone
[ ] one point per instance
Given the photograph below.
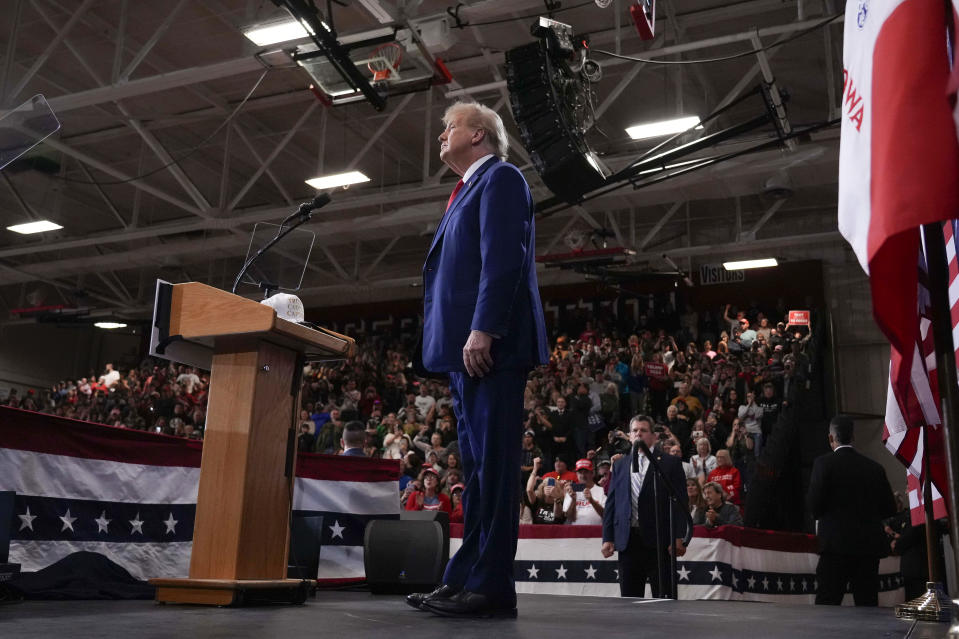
(643, 447)
(303, 214)
(635, 457)
(318, 202)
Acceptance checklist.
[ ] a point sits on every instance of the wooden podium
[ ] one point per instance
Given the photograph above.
(241, 531)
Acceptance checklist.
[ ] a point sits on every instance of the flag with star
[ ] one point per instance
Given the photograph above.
(728, 562)
(131, 496)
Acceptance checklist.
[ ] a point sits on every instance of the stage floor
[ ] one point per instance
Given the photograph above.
(358, 614)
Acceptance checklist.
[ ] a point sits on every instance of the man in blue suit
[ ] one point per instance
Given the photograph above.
(629, 521)
(483, 325)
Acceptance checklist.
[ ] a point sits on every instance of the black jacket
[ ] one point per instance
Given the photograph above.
(850, 496)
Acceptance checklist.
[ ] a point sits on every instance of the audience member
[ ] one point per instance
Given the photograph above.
(456, 502)
(719, 512)
(727, 476)
(530, 452)
(703, 461)
(305, 439)
(543, 497)
(353, 439)
(697, 504)
(429, 498)
(584, 500)
(561, 471)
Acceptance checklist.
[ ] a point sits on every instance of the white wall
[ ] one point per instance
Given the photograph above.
(862, 354)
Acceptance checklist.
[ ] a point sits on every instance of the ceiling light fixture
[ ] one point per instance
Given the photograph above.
(110, 325)
(273, 33)
(765, 262)
(39, 226)
(337, 179)
(666, 127)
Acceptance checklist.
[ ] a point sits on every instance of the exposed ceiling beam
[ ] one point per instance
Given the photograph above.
(51, 47)
(771, 211)
(153, 84)
(355, 290)
(272, 156)
(659, 224)
(246, 64)
(109, 170)
(158, 32)
(431, 198)
(173, 167)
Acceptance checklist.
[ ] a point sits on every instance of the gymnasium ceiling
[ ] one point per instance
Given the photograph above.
(137, 85)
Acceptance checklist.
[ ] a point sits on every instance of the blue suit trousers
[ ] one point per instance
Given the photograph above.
(489, 411)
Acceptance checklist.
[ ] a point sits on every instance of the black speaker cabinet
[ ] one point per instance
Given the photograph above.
(406, 555)
(304, 558)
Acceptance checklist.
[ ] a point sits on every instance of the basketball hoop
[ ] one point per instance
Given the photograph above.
(385, 61)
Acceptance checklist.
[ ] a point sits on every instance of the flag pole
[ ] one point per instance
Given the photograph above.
(938, 269)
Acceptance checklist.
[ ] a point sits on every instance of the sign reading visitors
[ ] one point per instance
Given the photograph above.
(799, 318)
(717, 274)
(655, 369)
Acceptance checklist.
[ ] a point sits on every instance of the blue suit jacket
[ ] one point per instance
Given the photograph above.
(616, 517)
(353, 452)
(480, 274)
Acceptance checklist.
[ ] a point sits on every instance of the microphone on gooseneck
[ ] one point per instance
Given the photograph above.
(317, 202)
(635, 456)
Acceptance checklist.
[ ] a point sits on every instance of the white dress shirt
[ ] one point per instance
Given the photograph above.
(474, 167)
(636, 480)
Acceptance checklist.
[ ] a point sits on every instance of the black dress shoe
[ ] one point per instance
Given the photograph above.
(416, 599)
(468, 605)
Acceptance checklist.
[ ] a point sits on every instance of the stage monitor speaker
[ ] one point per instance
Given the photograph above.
(6, 523)
(406, 555)
(550, 104)
(304, 559)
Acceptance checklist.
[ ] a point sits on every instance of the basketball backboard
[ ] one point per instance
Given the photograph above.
(417, 70)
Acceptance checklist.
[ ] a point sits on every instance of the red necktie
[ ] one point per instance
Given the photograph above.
(456, 190)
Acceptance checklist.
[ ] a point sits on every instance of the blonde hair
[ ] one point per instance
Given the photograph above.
(481, 117)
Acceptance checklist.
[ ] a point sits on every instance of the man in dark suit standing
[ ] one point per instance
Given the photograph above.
(483, 324)
(849, 495)
(354, 437)
(629, 520)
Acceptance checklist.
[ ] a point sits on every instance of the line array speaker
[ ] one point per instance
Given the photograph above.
(546, 99)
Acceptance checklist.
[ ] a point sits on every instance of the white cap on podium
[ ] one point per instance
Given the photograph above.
(288, 307)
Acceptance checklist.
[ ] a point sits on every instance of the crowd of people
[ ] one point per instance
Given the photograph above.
(156, 396)
(713, 383)
(714, 400)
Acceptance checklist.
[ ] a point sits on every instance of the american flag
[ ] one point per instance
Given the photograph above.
(912, 402)
(896, 71)
(131, 496)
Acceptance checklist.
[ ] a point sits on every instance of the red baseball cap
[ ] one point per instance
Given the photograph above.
(584, 464)
(456, 487)
(430, 469)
